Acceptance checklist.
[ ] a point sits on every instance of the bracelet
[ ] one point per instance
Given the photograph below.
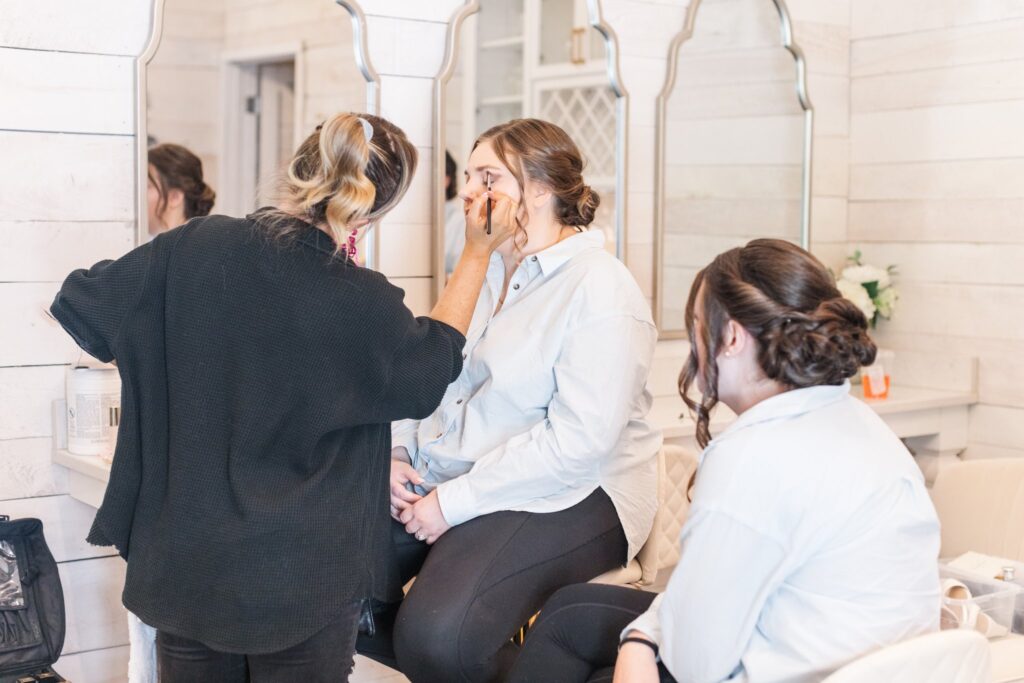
(633, 639)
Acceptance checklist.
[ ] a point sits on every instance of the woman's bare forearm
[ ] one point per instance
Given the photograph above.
(458, 300)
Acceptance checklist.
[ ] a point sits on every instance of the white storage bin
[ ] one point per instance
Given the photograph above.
(996, 599)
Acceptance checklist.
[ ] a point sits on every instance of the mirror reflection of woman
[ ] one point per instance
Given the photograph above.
(539, 468)
(811, 539)
(454, 219)
(176, 189)
(261, 369)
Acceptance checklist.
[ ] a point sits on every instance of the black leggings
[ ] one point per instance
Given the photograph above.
(576, 637)
(482, 581)
(325, 657)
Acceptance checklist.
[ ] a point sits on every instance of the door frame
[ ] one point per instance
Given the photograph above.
(235, 66)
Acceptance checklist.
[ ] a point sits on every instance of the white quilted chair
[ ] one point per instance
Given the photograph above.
(943, 657)
(675, 467)
(981, 507)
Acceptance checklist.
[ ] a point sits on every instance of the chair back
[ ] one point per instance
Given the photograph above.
(958, 656)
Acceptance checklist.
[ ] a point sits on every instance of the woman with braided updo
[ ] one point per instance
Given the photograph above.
(811, 539)
(538, 469)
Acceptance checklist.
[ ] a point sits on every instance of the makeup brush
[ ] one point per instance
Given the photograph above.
(488, 203)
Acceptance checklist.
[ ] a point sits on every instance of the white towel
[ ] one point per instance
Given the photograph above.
(141, 651)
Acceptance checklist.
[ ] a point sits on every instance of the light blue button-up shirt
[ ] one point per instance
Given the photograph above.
(811, 540)
(551, 402)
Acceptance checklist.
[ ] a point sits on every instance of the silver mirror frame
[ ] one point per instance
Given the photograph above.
(786, 30)
(362, 56)
(156, 29)
(439, 139)
(372, 78)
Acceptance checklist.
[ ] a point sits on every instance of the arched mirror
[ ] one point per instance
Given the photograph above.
(734, 143)
(228, 91)
(550, 59)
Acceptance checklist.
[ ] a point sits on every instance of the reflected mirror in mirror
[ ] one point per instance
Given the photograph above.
(533, 59)
(232, 89)
(733, 141)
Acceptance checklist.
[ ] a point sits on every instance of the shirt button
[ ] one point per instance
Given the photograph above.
(534, 259)
(464, 356)
(515, 286)
(459, 402)
(439, 435)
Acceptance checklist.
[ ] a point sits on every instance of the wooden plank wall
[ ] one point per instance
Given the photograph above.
(937, 187)
(67, 179)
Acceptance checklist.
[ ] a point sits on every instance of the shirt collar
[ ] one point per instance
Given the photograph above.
(552, 258)
(787, 404)
(308, 233)
(546, 261)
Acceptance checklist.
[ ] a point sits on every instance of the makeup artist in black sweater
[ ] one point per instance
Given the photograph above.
(261, 369)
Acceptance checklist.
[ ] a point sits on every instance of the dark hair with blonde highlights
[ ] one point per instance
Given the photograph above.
(545, 154)
(807, 333)
(338, 176)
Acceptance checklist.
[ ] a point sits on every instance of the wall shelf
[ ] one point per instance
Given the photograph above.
(498, 43)
(87, 475)
(500, 100)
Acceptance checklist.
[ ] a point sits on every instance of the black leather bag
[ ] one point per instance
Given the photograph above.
(31, 603)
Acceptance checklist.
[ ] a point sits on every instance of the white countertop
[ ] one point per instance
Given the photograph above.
(669, 412)
(89, 465)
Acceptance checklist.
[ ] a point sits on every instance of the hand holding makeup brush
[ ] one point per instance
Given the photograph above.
(502, 219)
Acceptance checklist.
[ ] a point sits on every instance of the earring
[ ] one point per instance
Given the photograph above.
(351, 250)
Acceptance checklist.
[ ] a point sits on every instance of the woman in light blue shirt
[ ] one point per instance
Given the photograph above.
(811, 539)
(539, 468)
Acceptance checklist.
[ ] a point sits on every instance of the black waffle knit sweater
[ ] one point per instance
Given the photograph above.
(249, 488)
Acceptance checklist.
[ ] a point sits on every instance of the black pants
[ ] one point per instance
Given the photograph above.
(576, 637)
(326, 657)
(482, 581)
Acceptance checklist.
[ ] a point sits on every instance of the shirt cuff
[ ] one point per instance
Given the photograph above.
(79, 331)
(455, 497)
(404, 433)
(647, 623)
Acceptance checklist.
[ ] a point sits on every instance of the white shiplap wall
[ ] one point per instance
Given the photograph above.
(66, 200)
(937, 187)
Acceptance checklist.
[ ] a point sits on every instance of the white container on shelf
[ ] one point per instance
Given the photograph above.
(994, 598)
(94, 410)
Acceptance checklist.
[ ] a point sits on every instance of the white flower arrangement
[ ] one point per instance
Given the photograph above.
(869, 288)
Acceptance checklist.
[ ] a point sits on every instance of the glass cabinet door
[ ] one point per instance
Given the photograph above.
(566, 40)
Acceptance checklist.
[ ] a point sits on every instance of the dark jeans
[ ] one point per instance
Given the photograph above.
(576, 637)
(326, 657)
(482, 581)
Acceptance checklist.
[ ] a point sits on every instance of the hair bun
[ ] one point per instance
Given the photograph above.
(581, 212)
(204, 200)
(826, 346)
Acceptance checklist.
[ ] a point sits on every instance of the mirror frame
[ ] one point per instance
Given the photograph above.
(439, 139)
(360, 45)
(786, 30)
(156, 30)
(362, 56)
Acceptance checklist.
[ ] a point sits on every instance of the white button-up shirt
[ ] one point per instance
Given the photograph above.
(811, 541)
(552, 399)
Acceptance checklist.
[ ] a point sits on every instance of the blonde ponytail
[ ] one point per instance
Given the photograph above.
(354, 167)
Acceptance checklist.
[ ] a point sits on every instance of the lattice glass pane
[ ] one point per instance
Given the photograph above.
(588, 115)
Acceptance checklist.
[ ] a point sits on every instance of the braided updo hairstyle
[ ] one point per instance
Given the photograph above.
(545, 154)
(807, 333)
